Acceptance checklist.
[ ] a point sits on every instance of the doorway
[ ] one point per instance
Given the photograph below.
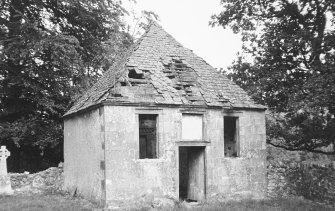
(192, 173)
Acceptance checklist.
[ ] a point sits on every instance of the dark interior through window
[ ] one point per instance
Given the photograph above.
(148, 135)
(230, 137)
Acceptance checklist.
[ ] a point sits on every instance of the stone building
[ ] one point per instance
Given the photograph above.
(163, 122)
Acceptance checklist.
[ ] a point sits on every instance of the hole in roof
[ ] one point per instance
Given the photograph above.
(116, 95)
(187, 85)
(135, 75)
(138, 82)
(171, 76)
(179, 65)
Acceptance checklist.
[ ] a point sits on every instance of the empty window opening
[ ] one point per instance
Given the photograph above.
(192, 173)
(148, 136)
(230, 137)
(192, 127)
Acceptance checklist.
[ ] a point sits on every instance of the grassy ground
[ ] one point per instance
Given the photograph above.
(38, 202)
(262, 205)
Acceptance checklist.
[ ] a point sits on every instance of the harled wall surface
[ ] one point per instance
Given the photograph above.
(128, 177)
(244, 175)
(83, 153)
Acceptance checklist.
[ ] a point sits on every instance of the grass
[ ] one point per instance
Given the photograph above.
(38, 202)
(259, 205)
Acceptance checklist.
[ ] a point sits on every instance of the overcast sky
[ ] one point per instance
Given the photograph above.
(187, 21)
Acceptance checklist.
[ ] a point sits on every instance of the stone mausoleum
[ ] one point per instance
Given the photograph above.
(163, 122)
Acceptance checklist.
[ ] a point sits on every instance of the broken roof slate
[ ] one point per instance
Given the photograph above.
(171, 73)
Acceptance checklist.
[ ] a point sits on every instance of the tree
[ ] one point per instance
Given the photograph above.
(292, 43)
(50, 51)
(142, 22)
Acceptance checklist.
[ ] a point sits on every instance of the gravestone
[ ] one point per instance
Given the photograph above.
(5, 185)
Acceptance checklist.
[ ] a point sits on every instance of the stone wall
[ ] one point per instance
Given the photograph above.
(84, 154)
(50, 180)
(308, 175)
(128, 177)
(243, 175)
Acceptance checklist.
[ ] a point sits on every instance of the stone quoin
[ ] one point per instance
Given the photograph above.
(163, 123)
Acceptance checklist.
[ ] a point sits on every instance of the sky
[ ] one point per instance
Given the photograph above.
(188, 22)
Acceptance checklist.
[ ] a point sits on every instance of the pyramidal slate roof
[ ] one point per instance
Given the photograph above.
(158, 70)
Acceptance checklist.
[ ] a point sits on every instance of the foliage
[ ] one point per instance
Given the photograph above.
(143, 22)
(50, 51)
(292, 43)
(140, 20)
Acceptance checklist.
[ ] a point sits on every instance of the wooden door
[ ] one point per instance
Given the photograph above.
(196, 170)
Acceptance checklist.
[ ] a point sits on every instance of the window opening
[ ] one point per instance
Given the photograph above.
(230, 137)
(148, 136)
